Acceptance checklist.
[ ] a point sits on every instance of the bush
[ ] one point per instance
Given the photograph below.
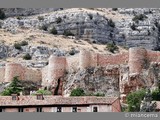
(24, 43)
(111, 23)
(2, 15)
(90, 16)
(44, 92)
(19, 17)
(134, 100)
(43, 27)
(156, 95)
(17, 46)
(114, 9)
(140, 17)
(53, 31)
(112, 47)
(77, 92)
(133, 27)
(58, 20)
(68, 33)
(72, 52)
(27, 57)
(40, 18)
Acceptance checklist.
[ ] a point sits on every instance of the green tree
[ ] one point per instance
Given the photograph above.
(2, 15)
(134, 100)
(15, 87)
(77, 92)
(156, 95)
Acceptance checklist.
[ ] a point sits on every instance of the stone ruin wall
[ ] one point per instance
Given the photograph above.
(2, 74)
(14, 69)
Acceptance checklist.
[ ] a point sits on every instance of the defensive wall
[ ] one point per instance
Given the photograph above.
(58, 66)
(10, 70)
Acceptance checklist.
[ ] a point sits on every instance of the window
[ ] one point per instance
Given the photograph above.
(74, 109)
(39, 109)
(1, 109)
(95, 109)
(59, 109)
(20, 109)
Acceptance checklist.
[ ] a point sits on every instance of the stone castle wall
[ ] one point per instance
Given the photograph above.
(2, 74)
(136, 59)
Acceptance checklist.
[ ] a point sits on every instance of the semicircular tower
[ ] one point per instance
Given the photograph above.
(56, 68)
(137, 59)
(12, 70)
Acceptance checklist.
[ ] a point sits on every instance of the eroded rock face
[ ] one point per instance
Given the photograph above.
(94, 80)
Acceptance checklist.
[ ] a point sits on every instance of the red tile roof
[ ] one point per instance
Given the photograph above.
(54, 100)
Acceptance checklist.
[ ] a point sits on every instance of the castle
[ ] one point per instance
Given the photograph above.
(136, 60)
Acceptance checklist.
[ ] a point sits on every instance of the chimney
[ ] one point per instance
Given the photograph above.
(14, 97)
(40, 97)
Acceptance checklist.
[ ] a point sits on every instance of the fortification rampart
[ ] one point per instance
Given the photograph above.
(104, 60)
(153, 56)
(34, 75)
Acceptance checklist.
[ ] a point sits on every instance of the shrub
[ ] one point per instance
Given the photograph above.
(24, 43)
(112, 47)
(43, 27)
(134, 100)
(58, 20)
(19, 17)
(77, 92)
(114, 9)
(27, 57)
(40, 18)
(156, 95)
(140, 17)
(111, 23)
(2, 15)
(133, 27)
(53, 31)
(68, 33)
(90, 16)
(72, 52)
(17, 46)
(44, 92)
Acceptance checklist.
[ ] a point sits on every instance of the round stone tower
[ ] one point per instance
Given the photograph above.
(84, 59)
(56, 68)
(137, 59)
(12, 70)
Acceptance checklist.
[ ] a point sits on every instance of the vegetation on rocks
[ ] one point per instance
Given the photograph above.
(134, 100)
(112, 47)
(77, 92)
(27, 57)
(2, 15)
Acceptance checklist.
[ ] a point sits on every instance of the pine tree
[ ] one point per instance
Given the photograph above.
(15, 87)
